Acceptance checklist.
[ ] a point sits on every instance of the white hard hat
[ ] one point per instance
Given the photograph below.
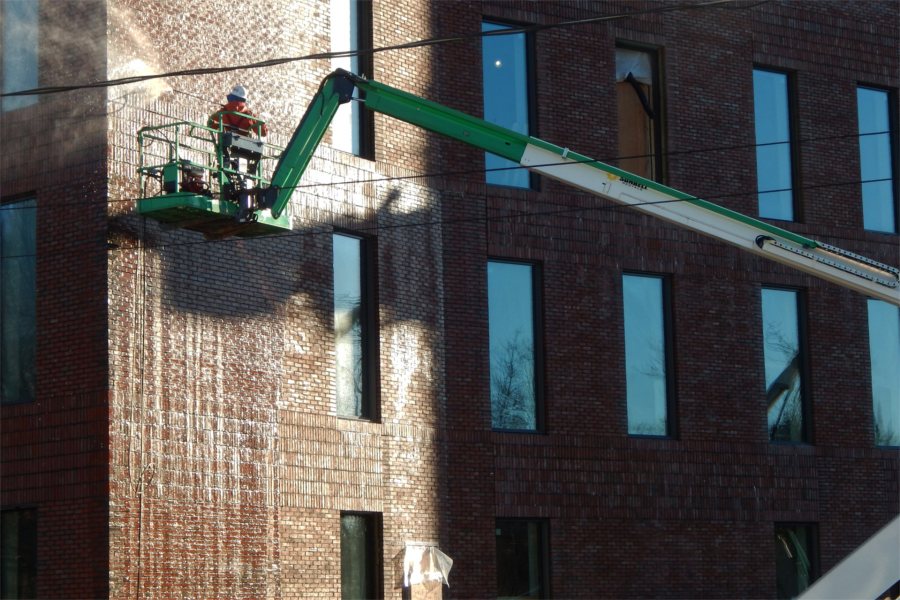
(239, 92)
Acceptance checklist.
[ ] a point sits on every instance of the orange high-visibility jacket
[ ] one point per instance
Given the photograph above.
(237, 123)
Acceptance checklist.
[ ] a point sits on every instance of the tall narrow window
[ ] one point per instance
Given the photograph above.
(353, 128)
(506, 97)
(18, 290)
(640, 131)
(774, 168)
(353, 328)
(513, 346)
(361, 556)
(18, 553)
(783, 352)
(876, 159)
(20, 51)
(522, 558)
(795, 559)
(884, 355)
(646, 357)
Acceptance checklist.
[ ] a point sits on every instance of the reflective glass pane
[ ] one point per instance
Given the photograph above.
(521, 560)
(20, 50)
(793, 559)
(773, 150)
(781, 349)
(645, 354)
(18, 293)
(348, 325)
(18, 553)
(875, 159)
(345, 35)
(511, 329)
(884, 353)
(358, 564)
(505, 73)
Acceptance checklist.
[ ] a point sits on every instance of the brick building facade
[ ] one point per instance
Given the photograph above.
(184, 439)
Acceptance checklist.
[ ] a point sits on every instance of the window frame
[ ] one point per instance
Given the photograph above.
(870, 304)
(20, 102)
(537, 324)
(531, 96)
(543, 525)
(362, 124)
(812, 550)
(31, 561)
(374, 550)
(668, 332)
(370, 372)
(22, 199)
(804, 370)
(797, 200)
(893, 122)
(658, 122)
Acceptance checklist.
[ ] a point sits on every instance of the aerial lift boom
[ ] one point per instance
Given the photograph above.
(271, 199)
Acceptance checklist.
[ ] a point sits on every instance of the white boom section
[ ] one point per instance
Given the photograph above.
(866, 572)
(833, 264)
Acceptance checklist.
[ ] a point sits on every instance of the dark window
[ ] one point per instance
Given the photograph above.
(884, 356)
(19, 51)
(514, 346)
(355, 336)
(18, 553)
(522, 559)
(876, 159)
(507, 97)
(353, 128)
(784, 366)
(18, 289)
(647, 358)
(795, 558)
(774, 160)
(638, 94)
(361, 556)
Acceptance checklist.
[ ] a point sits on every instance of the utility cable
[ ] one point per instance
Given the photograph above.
(606, 160)
(404, 46)
(326, 228)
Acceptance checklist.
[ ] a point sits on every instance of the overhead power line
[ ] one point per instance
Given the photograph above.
(607, 160)
(56, 89)
(327, 228)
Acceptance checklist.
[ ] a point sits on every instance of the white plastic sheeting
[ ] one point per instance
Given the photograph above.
(423, 563)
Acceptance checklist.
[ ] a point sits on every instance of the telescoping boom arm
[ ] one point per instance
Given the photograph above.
(828, 262)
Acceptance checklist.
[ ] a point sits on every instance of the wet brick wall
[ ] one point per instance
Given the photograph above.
(190, 446)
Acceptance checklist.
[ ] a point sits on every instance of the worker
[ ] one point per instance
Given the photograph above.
(238, 150)
(243, 125)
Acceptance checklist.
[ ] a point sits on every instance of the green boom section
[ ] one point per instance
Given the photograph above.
(471, 130)
(381, 98)
(334, 90)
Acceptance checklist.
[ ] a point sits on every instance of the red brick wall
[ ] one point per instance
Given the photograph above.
(187, 429)
(55, 450)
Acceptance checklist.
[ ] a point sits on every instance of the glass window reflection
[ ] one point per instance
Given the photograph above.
(884, 353)
(512, 346)
(783, 365)
(522, 563)
(505, 76)
(20, 51)
(645, 355)
(18, 293)
(348, 325)
(773, 145)
(876, 159)
(795, 565)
